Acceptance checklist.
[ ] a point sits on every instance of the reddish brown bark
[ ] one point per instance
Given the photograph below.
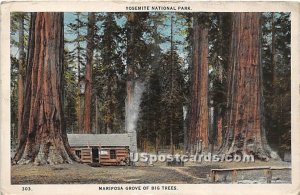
(245, 133)
(219, 131)
(21, 75)
(130, 82)
(79, 115)
(199, 103)
(96, 115)
(88, 74)
(130, 66)
(218, 114)
(44, 139)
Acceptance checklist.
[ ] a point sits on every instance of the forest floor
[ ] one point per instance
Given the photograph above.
(191, 173)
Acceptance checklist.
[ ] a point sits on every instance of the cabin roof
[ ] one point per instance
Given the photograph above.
(77, 140)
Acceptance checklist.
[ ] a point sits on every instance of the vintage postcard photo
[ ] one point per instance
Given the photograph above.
(149, 97)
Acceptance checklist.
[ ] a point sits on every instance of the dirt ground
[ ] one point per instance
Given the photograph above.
(191, 173)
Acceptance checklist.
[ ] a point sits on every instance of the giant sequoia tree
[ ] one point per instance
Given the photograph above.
(212, 66)
(132, 17)
(198, 134)
(43, 139)
(136, 64)
(88, 73)
(245, 133)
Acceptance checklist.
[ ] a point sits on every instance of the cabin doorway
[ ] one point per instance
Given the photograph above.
(95, 155)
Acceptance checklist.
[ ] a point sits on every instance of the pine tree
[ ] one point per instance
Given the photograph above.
(171, 100)
(19, 29)
(112, 69)
(70, 92)
(276, 54)
(77, 53)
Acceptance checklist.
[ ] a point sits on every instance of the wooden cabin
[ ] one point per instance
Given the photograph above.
(105, 149)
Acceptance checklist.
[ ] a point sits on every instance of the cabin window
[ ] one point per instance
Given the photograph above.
(113, 154)
(78, 153)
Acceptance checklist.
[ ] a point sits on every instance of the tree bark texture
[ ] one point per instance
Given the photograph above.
(245, 133)
(88, 73)
(44, 139)
(218, 114)
(198, 133)
(79, 115)
(130, 66)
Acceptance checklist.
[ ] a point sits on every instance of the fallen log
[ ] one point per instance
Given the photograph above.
(268, 172)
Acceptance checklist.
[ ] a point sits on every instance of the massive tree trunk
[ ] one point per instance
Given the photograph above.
(88, 74)
(43, 138)
(130, 83)
(245, 133)
(21, 74)
(130, 61)
(199, 103)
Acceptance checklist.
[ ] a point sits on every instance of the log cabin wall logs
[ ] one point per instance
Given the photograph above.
(106, 156)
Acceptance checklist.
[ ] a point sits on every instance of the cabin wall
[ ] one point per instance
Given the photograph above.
(107, 156)
(85, 154)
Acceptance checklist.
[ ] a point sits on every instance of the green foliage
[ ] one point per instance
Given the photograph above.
(137, 52)
(16, 17)
(14, 28)
(14, 91)
(277, 77)
(109, 74)
(70, 92)
(159, 47)
(75, 41)
(162, 102)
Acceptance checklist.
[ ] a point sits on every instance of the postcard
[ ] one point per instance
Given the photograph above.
(150, 97)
